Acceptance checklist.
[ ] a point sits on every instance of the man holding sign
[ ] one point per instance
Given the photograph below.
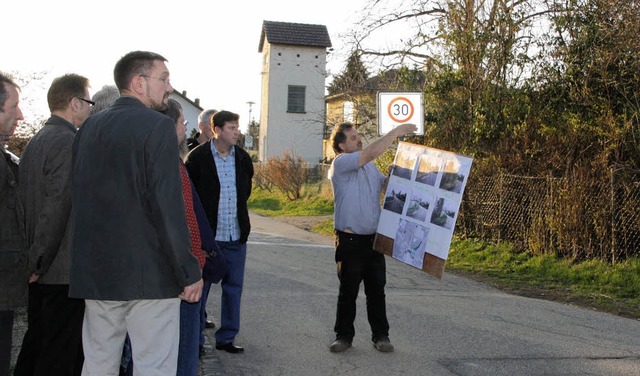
(357, 185)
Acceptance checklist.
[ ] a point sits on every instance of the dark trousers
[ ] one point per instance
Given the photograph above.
(236, 256)
(357, 261)
(6, 332)
(52, 344)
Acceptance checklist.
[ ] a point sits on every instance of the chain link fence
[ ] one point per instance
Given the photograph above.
(579, 217)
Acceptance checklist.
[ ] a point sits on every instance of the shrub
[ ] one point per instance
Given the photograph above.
(261, 177)
(287, 173)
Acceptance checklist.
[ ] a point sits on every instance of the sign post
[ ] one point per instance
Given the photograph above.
(395, 108)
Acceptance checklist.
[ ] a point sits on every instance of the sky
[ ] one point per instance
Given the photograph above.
(211, 46)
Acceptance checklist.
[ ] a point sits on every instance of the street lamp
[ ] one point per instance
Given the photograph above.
(250, 103)
(249, 136)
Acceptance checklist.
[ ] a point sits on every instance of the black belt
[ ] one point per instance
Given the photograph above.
(354, 236)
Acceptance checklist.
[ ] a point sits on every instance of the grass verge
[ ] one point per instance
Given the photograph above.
(594, 284)
(275, 203)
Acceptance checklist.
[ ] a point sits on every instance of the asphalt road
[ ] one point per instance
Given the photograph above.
(453, 326)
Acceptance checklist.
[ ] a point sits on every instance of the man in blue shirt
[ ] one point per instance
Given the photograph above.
(221, 171)
(357, 185)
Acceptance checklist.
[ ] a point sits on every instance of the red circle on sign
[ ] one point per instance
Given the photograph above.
(393, 117)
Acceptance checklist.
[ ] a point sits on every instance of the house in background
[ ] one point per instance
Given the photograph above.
(191, 109)
(292, 117)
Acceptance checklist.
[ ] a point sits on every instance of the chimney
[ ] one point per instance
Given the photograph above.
(197, 102)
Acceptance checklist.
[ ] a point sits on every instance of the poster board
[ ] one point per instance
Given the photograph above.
(421, 205)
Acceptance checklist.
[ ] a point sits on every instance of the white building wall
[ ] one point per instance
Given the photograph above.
(190, 112)
(300, 134)
(263, 146)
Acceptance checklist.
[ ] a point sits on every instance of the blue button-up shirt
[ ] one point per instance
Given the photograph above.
(228, 228)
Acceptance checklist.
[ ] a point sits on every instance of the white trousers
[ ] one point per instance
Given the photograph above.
(154, 330)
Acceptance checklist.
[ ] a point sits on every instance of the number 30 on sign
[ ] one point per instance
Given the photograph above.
(395, 108)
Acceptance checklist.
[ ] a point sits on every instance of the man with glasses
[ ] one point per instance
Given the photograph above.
(52, 344)
(131, 259)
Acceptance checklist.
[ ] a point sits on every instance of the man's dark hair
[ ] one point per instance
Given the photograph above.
(338, 136)
(133, 64)
(5, 81)
(64, 88)
(220, 118)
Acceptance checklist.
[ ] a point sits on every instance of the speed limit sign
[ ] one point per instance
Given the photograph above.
(395, 108)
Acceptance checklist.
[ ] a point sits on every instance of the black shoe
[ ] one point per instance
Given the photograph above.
(230, 348)
(209, 324)
(339, 345)
(201, 351)
(383, 344)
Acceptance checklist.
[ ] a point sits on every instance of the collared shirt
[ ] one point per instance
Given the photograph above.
(228, 227)
(356, 191)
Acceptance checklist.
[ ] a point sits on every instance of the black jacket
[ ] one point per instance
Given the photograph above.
(192, 142)
(13, 248)
(130, 237)
(204, 174)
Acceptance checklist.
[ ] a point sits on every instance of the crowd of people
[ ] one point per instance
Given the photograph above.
(112, 274)
(111, 215)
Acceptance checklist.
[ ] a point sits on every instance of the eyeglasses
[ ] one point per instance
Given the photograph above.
(91, 103)
(163, 80)
(185, 123)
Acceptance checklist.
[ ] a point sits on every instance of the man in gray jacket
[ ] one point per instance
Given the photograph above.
(131, 257)
(13, 256)
(52, 344)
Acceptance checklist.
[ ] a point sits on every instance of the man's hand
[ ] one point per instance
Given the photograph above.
(404, 129)
(192, 293)
(33, 278)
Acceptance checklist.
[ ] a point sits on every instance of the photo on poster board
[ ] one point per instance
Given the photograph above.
(419, 203)
(428, 169)
(395, 198)
(444, 213)
(452, 178)
(421, 206)
(403, 164)
(409, 243)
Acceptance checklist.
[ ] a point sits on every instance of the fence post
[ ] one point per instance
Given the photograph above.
(613, 213)
(549, 216)
(500, 197)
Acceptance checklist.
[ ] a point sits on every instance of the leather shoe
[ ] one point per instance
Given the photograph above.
(339, 345)
(383, 344)
(230, 348)
(209, 324)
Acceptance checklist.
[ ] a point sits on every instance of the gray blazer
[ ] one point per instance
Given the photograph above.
(13, 255)
(45, 167)
(130, 236)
